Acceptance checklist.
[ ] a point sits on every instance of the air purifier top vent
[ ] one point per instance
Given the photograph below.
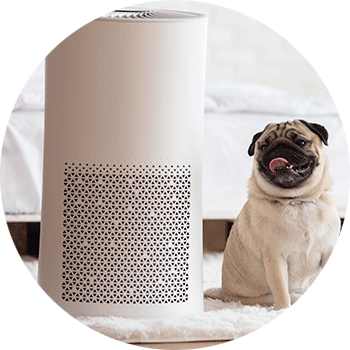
(151, 15)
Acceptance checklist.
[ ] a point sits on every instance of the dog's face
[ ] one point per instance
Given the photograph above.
(287, 154)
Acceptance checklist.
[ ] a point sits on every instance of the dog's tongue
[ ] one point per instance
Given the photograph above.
(279, 164)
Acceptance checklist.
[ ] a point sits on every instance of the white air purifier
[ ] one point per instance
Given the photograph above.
(121, 210)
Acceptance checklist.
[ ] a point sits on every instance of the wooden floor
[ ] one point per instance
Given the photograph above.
(178, 346)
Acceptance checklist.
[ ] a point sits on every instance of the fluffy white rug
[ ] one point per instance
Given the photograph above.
(220, 321)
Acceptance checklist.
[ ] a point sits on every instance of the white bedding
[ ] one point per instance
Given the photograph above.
(21, 163)
(234, 112)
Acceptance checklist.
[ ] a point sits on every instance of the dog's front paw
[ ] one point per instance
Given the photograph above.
(283, 304)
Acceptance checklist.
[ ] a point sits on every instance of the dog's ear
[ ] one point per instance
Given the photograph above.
(318, 129)
(252, 145)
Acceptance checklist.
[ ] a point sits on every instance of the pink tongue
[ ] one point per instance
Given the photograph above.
(278, 163)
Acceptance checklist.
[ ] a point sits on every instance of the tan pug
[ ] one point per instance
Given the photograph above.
(287, 229)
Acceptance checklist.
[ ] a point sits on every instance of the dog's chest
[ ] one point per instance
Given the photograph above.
(305, 243)
(304, 264)
(299, 214)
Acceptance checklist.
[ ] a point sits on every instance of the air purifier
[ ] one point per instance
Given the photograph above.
(121, 229)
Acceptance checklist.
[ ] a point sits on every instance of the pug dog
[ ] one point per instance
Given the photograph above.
(287, 229)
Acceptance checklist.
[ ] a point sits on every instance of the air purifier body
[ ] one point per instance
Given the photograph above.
(121, 229)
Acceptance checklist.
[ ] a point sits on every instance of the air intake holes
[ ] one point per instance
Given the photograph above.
(126, 233)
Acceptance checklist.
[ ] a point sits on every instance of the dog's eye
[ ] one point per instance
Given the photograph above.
(301, 143)
(263, 147)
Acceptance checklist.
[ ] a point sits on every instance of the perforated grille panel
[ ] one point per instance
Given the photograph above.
(126, 233)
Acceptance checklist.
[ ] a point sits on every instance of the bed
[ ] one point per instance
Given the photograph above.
(234, 112)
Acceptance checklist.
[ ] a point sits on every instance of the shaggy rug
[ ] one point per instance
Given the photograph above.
(220, 321)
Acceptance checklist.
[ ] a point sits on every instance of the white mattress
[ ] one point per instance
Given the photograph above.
(234, 112)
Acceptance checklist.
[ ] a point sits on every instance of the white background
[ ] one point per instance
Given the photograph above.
(319, 30)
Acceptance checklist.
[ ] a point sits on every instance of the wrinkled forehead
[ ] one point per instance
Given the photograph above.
(286, 129)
